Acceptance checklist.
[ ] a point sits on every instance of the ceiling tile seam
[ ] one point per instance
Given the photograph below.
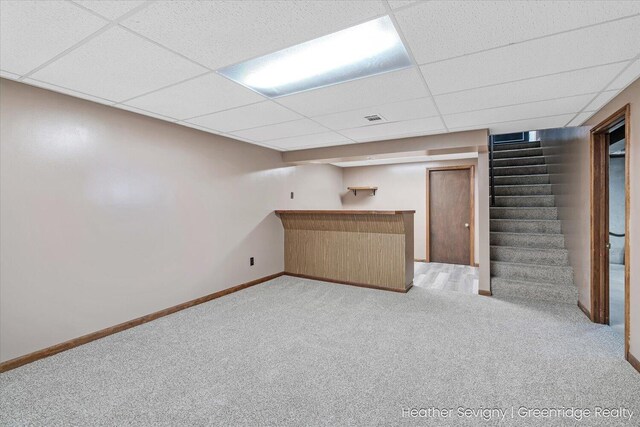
(533, 77)
(294, 136)
(164, 87)
(281, 105)
(590, 114)
(226, 135)
(413, 59)
(225, 110)
(407, 6)
(531, 39)
(374, 106)
(486, 125)
(416, 134)
(375, 125)
(160, 45)
(250, 128)
(101, 30)
(160, 116)
(66, 88)
(605, 88)
(93, 12)
(520, 103)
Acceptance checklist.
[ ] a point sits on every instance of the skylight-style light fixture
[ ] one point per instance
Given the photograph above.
(364, 50)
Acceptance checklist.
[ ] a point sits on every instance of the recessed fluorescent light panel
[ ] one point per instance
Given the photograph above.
(364, 50)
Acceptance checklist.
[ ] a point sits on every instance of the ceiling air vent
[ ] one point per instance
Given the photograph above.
(374, 118)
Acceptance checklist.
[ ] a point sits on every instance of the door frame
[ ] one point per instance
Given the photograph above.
(599, 218)
(472, 227)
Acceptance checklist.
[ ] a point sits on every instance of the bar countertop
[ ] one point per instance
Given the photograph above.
(342, 212)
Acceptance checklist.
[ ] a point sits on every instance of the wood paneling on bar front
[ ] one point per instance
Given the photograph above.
(367, 248)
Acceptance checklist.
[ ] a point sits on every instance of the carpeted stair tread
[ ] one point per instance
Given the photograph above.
(539, 256)
(527, 240)
(518, 152)
(545, 201)
(519, 161)
(522, 179)
(523, 190)
(508, 289)
(551, 226)
(515, 212)
(562, 275)
(520, 170)
(515, 145)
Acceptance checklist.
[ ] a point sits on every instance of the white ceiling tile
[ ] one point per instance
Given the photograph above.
(206, 94)
(601, 100)
(522, 125)
(101, 67)
(518, 112)
(194, 126)
(67, 91)
(400, 3)
(397, 111)
(281, 130)
(581, 118)
(405, 129)
(110, 9)
(222, 33)
(310, 141)
(563, 52)
(377, 90)
(438, 30)
(33, 32)
(249, 116)
(145, 112)
(627, 77)
(579, 82)
(8, 75)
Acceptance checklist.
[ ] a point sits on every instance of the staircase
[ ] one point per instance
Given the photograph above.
(528, 255)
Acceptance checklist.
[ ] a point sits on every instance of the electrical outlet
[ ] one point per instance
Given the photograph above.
(292, 194)
(251, 261)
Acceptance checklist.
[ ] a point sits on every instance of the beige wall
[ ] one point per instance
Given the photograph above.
(570, 171)
(448, 143)
(403, 186)
(567, 153)
(107, 215)
(631, 95)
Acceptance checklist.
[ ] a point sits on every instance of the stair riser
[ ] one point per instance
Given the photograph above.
(532, 226)
(551, 241)
(524, 190)
(519, 161)
(533, 273)
(556, 257)
(516, 145)
(521, 180)
(527, 152)
(525, 201)
(520, 170)
(523, 213)
(502, 289)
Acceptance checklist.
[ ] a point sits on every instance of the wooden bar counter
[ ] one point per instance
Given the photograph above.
(372, 249)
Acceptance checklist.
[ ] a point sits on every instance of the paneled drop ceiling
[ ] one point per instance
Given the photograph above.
(503, 65)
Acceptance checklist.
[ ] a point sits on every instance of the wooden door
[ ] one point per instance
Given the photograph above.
(450, 215)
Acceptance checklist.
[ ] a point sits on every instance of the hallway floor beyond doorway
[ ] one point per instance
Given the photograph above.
(446, 277)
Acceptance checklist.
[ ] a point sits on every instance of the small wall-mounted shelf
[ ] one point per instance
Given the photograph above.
(356, 189)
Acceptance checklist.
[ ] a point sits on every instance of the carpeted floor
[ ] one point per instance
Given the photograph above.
(303, 353)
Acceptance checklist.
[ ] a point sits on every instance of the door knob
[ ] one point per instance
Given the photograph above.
(466, 225)
(608, 246)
